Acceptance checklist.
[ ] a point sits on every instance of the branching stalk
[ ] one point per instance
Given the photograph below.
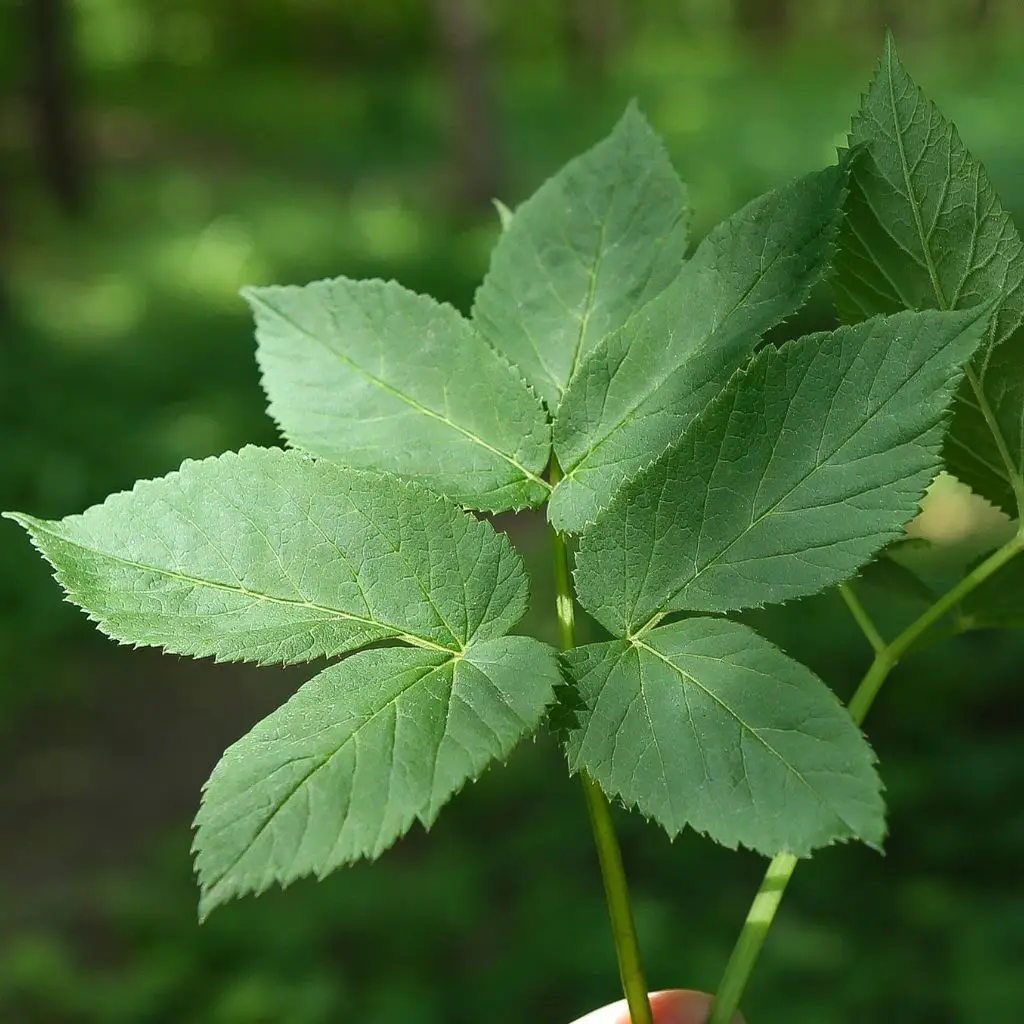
(781, 868)
(609, 853)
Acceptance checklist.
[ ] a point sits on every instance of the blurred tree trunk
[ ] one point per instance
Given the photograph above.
(474, 145)
(978, 15)
(59, 146)
(5, 242)
(6, 182)
(764, 22)
(595, 32)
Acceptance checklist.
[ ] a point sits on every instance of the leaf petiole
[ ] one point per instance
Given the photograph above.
(609, 853)
(861, 617)
(781, 868)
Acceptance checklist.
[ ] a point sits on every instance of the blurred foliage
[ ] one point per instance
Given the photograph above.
(251, 141)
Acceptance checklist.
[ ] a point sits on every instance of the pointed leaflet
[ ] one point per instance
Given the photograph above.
(814, 458)
(360, 752)
(371, 375)
(642, 385)
(271, 556)
(599, 239)
(705, 724)
(924, 228)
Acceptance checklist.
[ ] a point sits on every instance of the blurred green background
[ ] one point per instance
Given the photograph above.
(157, 155)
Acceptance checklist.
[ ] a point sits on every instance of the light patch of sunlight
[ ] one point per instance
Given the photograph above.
(384, 228)
(297, 232)
(683, 115)
(951, 513)
(681, 59)
(113, 33)
(213, 265)
(97, 314)
(191, 434)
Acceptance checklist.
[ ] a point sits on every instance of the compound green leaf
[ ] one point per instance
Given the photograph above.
(359, 753)
(592, 245)
(642, 385)
(925, 229)
(815, 457)
(373, 376)
(985, 447)
(273, 556)
(703, 723)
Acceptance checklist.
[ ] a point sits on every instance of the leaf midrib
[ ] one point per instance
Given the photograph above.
(819, 464)
(397, 632)
(662, 379)
(408, 399)
(988, 413)
(686, 677)
(322, 762)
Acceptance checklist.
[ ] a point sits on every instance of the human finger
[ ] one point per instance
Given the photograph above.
(674, 1006)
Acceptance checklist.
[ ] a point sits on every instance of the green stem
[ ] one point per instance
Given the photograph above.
(955, 595)
(752, 936)
(861, 617)
(780, 870)
(609, 853)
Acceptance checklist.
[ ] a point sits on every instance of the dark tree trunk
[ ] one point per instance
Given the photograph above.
(7, 205)
(5, 239)
(474, 146)
(59, 146)
(978, 15)
(595, 31)
(765, 23)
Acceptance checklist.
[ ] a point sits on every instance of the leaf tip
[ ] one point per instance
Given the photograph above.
(26, 522)
(504, 213)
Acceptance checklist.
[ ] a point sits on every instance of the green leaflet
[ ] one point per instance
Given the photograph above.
(371, 375)
(504, 214)
(272, 556)
(597, 241)
(813, 458)
(924, 229)
(360, 752)
(703, 723)
(641, 387)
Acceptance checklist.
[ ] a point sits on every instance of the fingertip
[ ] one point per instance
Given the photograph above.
(683, 1006)
(673, 1006)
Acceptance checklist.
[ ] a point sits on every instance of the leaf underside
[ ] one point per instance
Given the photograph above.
(925, 229)
(359, 753)
(274, 556)
(643, 384)
(703, 723)
(813, 458)
(373, 376)
(596, 242)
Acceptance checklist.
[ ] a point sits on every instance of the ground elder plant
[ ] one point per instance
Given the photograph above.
(617, 376)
